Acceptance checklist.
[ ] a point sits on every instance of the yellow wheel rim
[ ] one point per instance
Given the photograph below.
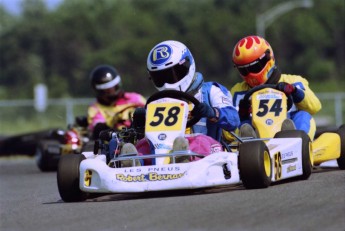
(87, 178)
(267, 164)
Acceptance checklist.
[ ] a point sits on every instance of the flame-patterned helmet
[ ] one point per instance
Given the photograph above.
(254, 59)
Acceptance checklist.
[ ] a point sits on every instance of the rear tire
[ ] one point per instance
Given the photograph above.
(341, 159)
(306, 146)
(68, 178)
(255, 165)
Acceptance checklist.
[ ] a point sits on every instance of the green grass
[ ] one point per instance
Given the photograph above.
(18, 120)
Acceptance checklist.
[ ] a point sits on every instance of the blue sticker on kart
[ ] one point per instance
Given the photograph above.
(269, 122)
(161, 54)
(162, 136)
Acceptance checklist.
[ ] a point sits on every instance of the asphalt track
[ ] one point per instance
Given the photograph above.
(30, 201)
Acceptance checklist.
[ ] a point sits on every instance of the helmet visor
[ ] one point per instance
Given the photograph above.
(171, 75)
(113, 91)
(256, 66)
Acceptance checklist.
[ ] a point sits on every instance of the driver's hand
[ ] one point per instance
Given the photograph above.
(204, 110)
(287, 88)
(244, 110)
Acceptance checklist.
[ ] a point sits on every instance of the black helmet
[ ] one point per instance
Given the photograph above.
(106, 82)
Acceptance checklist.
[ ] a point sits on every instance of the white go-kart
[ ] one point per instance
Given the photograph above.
(255, 163)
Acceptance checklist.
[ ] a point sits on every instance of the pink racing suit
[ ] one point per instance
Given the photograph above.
(117, 115)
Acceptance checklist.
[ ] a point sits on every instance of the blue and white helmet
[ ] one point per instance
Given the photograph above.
(171, 66)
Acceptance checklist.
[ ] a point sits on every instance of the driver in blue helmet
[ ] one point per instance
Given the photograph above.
(171, 66)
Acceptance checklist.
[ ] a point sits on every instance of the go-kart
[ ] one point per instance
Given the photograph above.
(255, 163)
(74, 140)
(61, 142)
(269, 110)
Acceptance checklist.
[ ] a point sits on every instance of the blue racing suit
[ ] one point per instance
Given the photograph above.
(217, 96)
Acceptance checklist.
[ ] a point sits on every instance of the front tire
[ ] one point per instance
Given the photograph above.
(306, 147)
(255, 165)
(68, 178)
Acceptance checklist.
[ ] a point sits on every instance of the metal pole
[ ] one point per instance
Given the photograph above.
(265, 19)
(338, 110)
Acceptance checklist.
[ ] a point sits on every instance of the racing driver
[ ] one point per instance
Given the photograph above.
(113, 107)
(254, 59)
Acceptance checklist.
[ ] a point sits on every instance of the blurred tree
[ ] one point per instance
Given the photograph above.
(61, 47)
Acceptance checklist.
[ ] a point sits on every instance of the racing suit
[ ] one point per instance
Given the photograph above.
(305, 102)
(204, 137)
(116, 115)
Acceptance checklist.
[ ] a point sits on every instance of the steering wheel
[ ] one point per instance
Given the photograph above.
(274, 86)
(180, 95)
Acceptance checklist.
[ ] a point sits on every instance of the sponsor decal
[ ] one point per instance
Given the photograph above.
(269, 96)
(291, 168)
(153, 169)
(226, 100)
(161, 54)
(287, 155)
(152, 176)
(288, 161)
(269, 121)
(162, 136)
(162, 146)
(163, 169)
(216, 148)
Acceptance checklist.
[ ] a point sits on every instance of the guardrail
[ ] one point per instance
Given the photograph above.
(338, 98)
(69, 104)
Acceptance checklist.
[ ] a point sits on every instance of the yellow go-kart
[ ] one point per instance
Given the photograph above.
(269, 110)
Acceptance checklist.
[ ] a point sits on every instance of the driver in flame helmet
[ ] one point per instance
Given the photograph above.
(254, 59)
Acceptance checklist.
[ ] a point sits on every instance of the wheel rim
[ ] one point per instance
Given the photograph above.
(267, 164)
(87, 178)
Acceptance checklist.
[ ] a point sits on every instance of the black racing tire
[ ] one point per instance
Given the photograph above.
(255, 165)
(341, 159)
(47, 155)
(306, 150)
(68, 178)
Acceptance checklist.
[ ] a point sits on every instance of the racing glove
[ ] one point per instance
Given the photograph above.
(287, 88)
(204, 110)
(244, 110)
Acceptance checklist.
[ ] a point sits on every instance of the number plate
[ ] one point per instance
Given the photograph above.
(269, 109)
(165, 116)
